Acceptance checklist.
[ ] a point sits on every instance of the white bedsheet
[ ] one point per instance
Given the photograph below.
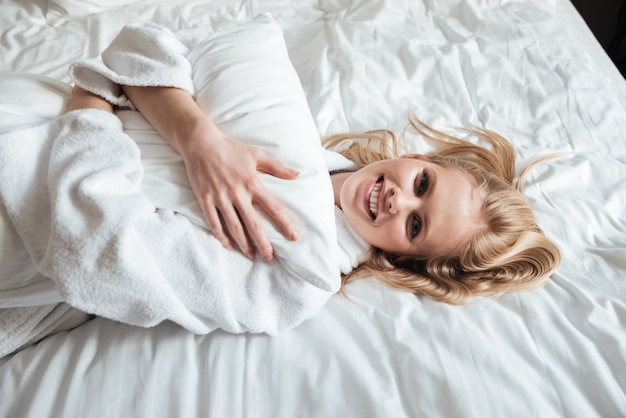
(528, 69)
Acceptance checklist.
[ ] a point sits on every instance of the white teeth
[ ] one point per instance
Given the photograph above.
(374, 199)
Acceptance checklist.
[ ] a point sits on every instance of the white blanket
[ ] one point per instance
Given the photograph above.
(530, 70)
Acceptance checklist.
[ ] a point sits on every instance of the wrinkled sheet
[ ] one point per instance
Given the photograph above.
(528, 69)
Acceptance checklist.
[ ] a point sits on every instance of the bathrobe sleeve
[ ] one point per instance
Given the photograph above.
(72, 189)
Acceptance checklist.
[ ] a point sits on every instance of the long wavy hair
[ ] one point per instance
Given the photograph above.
(512, 254)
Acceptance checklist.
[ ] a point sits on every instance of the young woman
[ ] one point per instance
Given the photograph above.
(450, 224)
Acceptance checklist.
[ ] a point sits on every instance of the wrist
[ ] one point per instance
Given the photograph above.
(195, 133)
(83, 99)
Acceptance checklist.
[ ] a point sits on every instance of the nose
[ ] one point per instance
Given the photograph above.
(397, 202)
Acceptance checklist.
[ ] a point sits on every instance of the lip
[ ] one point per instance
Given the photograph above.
(366, 196)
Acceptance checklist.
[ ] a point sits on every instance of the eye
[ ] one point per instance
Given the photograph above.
(415, 226)
(421, 184)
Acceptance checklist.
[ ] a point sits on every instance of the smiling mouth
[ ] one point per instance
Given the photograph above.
(374, 196)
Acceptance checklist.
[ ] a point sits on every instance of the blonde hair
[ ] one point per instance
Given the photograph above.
(512, 254)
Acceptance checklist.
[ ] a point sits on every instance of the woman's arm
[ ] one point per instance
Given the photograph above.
(83, 99)
(222, 172)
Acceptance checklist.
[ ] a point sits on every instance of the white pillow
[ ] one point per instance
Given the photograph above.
(246, 84)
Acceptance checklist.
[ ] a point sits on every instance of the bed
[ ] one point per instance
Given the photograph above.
(527, 69)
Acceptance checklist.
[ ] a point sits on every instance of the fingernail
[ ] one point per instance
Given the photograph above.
(268, 257)
(293, 236)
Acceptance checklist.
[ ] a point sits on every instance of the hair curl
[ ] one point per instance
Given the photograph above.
(512, 254)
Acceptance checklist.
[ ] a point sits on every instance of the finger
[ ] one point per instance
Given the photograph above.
(277, 212)
(255, 230)
(214, 223)
(236, 230)
(270, 165)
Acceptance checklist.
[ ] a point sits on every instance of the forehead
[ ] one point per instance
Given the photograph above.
(453, 212)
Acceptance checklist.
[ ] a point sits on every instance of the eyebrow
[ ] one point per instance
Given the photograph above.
(432, 176)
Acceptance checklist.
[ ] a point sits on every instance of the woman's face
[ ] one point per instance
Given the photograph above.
(412, 206)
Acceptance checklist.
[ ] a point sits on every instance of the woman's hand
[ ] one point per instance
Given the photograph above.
(222, 172)
(223, 176)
